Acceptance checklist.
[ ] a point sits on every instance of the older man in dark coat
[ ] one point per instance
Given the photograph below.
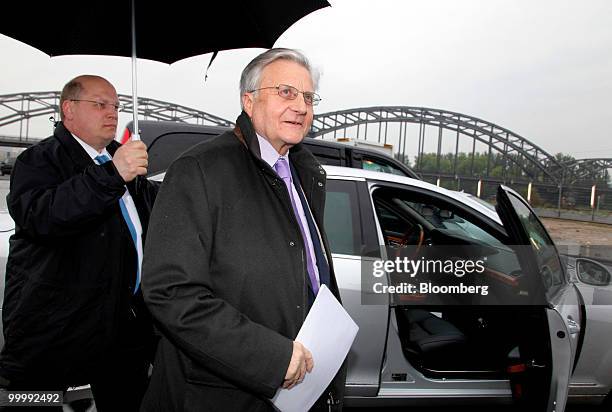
(236, 252)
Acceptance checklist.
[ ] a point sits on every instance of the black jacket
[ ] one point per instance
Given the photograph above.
(225, 275)
(71, 265)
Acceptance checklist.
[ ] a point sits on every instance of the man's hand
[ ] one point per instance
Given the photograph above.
(131, 160)
(301, 362)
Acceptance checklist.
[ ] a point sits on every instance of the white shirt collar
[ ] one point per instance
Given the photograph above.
(93, 153)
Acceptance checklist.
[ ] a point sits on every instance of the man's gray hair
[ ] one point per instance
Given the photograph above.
(251, 75)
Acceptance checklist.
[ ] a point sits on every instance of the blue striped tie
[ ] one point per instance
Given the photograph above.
(101, 159)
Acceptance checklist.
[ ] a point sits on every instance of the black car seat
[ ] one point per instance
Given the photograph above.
(433, 343)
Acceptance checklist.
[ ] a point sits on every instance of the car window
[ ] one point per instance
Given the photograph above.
(399, 212)
(377, 165)
(396, 230)
(342, 217)
(325, 155)
(167, 147)
(547, 257)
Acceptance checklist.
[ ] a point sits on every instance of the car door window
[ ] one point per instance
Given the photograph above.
(547, 257)
(342, 224)
(447, 219)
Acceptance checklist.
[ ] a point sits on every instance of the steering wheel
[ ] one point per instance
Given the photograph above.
(413, 238)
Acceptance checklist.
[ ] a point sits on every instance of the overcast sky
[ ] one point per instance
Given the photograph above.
(541, 68)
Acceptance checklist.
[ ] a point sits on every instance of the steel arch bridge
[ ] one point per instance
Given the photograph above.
(20, 108)
(369, 123)
(514, 149)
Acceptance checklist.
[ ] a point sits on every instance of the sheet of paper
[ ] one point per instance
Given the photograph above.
(328, 332)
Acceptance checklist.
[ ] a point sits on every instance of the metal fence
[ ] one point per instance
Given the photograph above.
(549, 200)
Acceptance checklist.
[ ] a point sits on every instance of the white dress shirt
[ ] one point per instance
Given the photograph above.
(127, 200)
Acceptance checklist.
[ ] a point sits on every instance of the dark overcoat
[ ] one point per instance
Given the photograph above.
(71, 268)
(225, 275)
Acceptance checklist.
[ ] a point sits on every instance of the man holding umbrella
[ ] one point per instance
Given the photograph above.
(236, 252)
(73, 311)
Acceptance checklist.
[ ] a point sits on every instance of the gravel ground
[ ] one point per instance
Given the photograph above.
(583, 233)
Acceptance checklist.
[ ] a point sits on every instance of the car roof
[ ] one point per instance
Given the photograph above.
(463, 198)
(162, 127)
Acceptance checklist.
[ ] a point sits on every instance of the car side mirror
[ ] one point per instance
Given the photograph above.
(446, 214)
(592, 273)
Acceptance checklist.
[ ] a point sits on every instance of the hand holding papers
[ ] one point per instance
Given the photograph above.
(328, 332)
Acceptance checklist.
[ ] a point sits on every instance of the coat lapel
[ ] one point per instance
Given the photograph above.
(79, 156)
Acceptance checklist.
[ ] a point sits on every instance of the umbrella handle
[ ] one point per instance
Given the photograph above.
(135, 136)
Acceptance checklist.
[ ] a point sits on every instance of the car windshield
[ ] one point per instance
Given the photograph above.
(445, 219)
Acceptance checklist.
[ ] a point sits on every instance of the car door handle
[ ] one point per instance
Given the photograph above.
(573, 326)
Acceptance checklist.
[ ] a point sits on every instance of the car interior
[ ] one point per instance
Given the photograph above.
(459, 336)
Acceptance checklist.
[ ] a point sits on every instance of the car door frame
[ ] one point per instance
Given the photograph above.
(366, 356)
(562, 355)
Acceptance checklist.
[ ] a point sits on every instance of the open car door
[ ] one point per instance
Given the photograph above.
(543, 384)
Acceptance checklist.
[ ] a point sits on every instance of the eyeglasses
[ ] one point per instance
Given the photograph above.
(101, 105)
(291, 93)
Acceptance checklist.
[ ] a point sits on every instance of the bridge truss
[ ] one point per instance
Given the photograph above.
(517, 156)
(372, 124)
(20, 108)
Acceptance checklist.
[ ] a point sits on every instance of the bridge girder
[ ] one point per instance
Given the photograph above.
(496, 137)
(18, 107)
(579, 169)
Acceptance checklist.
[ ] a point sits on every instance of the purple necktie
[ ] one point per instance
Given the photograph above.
(282, 168)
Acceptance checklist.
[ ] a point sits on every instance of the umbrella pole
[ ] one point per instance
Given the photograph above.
(136, 132)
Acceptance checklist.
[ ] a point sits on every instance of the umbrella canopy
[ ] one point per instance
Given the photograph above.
(165, 31)
(160, 31)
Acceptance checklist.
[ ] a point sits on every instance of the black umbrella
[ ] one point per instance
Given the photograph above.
(163, 31)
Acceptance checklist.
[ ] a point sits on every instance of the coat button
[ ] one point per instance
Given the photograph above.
(322, 172)
(291, 244)
(298, 307)
(320, 184)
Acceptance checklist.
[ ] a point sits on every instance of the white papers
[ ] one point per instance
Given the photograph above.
(328, 333)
